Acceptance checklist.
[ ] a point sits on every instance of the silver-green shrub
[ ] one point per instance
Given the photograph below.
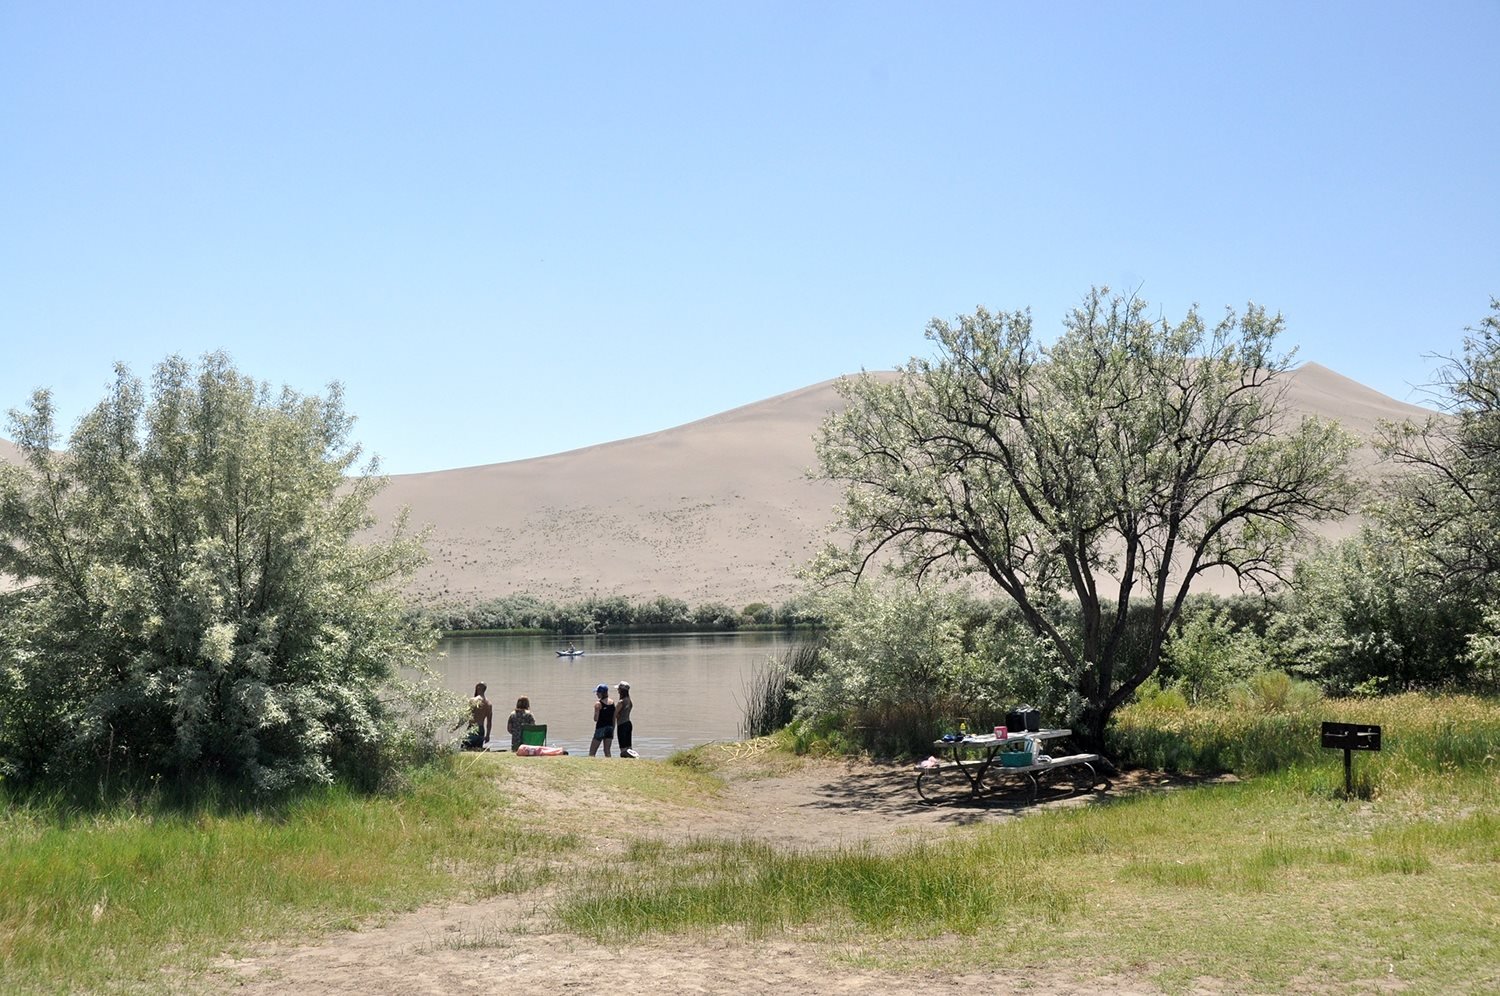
(196, 594)
(900, 665)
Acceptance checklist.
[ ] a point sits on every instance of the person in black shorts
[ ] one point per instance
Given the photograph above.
(481, 719)
(604, 721)
(623, 726)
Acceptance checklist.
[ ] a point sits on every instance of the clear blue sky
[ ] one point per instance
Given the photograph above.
(512, 230)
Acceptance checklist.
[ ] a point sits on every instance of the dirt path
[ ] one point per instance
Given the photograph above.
(465, 947)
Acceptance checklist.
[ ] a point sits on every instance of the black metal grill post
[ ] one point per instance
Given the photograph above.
(1350, 737)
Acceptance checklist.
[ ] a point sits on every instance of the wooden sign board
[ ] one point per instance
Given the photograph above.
(1351, 736)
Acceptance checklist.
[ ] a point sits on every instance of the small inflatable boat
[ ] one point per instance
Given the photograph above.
(570, 653)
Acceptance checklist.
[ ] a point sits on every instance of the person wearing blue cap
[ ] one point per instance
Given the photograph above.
(604, 721)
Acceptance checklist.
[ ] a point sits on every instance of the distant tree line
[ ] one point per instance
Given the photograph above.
(616, 614)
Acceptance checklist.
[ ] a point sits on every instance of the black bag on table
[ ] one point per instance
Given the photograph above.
(1024, 718)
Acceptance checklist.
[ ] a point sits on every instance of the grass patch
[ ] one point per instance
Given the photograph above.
(760, 757)
(103, 901)
(707, 886)
(1277, 883)
(1259, 886)
(1421, 733)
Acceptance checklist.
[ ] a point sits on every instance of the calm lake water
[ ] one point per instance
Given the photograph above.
(689, 689)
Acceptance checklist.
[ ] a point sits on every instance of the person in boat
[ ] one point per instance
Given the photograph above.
(623, 726)
(481, 720)
(521, 717)
(571, 650)
(604, 721)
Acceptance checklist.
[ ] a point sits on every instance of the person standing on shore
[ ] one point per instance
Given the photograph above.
(623, 726)
(604, 721)
(481, 720)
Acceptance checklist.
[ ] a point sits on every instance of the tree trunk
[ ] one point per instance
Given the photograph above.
(1091, 725)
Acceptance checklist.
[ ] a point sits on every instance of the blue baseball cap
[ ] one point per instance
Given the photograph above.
(601, 688)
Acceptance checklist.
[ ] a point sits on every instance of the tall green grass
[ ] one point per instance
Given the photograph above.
(929, 891)
(1419, 733)
(98, 901)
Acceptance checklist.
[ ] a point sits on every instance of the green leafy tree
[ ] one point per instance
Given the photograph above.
(664, 612)
(715, 615)
(1206, 655)
(195, 595)
(759, 613)
(894, 668)
(1362, 617)
(1125, 460)
(1448, 507)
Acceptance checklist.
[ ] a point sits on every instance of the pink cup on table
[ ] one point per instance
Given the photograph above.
(1000, 733)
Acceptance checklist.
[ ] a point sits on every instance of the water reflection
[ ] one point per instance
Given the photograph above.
(688, 689)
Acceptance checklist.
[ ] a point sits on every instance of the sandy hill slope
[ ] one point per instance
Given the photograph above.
(720, 509)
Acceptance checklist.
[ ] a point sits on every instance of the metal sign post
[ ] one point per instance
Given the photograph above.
(1350, 737)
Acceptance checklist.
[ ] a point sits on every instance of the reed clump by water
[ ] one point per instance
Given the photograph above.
(769, 703)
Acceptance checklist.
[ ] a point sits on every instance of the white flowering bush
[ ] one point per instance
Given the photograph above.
(196, 595)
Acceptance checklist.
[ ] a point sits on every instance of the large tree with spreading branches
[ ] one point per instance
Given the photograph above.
(1120, 463)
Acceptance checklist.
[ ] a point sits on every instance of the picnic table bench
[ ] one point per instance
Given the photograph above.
(975, 769)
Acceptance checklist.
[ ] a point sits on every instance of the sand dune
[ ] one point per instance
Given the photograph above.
(719, 509)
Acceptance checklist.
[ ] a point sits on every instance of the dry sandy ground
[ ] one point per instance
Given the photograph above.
(478, 946)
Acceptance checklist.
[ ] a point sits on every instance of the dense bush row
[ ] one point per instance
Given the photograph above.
(896, 668)
(617, 613)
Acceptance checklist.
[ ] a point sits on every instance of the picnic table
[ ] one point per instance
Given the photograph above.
(975, 768)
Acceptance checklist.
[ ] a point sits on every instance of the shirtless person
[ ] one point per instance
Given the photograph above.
(623, 726)
(481, 720)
